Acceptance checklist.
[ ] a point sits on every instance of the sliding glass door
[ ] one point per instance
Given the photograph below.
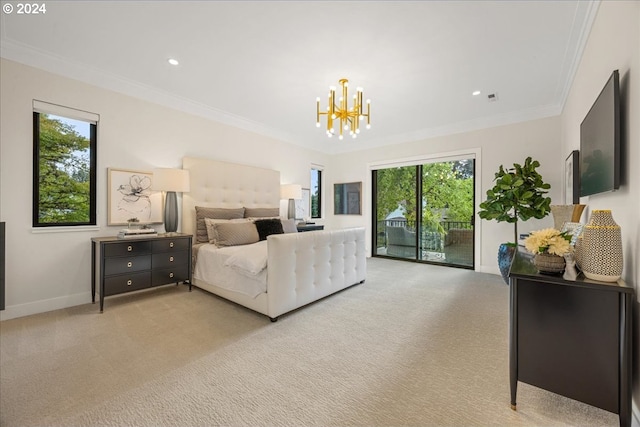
(425, 212)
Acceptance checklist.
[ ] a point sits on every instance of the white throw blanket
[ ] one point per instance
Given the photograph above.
(252, 259)
(236, 268)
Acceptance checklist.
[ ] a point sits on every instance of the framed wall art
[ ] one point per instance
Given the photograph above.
(130, 195)
(347, 198)
(572, 179)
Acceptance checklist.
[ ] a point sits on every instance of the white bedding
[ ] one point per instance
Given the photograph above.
(236, 268)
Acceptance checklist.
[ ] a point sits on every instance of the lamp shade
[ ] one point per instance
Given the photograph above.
(291, 191)
(168, 179)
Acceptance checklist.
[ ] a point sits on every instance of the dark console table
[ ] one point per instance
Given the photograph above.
(572, 338)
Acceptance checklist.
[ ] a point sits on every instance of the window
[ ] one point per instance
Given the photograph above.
(64, 167)
(425, 212)
(316, 193)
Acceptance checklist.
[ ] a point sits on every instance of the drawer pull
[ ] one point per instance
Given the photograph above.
(129, 282)
(171, 244)
(129, 264)
(171, 258)
(171, 275)
(129, 248)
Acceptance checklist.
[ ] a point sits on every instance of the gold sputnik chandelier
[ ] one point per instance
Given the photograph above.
(346, 118)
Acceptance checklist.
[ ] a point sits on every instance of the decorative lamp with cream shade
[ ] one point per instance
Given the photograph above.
(171, 180)
(291, 192)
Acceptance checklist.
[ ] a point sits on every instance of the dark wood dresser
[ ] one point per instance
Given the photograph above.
(572, 338)
(126, 265)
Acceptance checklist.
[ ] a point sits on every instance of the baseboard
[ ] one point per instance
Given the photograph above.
(42, 306)
(488, 269)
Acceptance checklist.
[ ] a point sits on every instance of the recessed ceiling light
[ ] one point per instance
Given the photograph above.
(173, 61)
(476, 93)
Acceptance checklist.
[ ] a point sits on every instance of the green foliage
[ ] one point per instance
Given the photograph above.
(518, 194)
(64, 188)
(447, 189)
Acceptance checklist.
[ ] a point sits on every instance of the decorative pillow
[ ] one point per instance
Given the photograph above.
(236, 233)
(267, 227)
(289, 225)
(212, 234)
(217, 213)
(261, 212)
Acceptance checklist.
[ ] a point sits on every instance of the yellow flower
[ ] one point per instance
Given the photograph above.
(548, 240)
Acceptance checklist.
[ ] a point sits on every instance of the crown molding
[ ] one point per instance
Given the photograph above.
(27, 55)
(454, 128)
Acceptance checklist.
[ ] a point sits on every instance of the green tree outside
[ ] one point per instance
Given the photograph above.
(64, 171)
(447, 189)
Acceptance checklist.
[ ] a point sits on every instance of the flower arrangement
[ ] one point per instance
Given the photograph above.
(549, 241)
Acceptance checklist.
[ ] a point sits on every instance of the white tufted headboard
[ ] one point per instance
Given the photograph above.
(226, 185)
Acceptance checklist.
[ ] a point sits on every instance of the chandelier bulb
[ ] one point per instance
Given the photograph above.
(317, 124)
(368, 101)
(317, 99)
(361, 117)
(346, 127)
(357, 130)
(333, 116)
(359, 89)
(340, 137)
(333, 130)
(368, 126)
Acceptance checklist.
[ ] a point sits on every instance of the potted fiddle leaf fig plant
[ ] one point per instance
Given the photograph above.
(519, 193)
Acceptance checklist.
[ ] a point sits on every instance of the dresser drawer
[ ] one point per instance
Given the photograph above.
(127, 248)
(170, 245)
(122, 265)
(126, 283)
(170, 275)
(169, 260)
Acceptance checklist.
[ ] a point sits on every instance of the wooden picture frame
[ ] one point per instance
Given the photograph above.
(347, 198)
(130, 195)
(572, 179)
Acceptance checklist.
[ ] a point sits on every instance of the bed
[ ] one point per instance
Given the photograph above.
(300, 267)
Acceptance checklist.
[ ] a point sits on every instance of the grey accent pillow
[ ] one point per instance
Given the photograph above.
(212, 233)
(236, 233)
(217, 213)
(261, 212)
(289, 225)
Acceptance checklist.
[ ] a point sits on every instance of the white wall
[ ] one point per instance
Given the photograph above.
(46, 271)
(136, 134)
(614, 43)
(502, 145)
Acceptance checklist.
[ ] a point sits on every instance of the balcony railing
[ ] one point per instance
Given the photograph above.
(430, 238)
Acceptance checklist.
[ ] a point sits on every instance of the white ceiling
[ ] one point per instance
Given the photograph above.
(260, 65)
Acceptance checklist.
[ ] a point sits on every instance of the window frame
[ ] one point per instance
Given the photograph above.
(93, 132)
(319, 171)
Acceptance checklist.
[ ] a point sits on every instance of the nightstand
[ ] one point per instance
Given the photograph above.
(309, 227)
(127, 265)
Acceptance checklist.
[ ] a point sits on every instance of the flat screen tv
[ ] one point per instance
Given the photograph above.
(600, 142)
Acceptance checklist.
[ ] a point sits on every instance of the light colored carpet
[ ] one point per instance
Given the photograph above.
(414, 345)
